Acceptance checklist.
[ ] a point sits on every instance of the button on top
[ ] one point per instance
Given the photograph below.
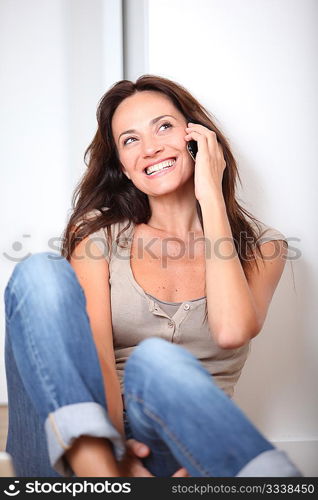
(171, 324)
(186, 307)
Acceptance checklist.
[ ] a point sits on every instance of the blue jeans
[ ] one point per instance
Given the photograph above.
(56, 392)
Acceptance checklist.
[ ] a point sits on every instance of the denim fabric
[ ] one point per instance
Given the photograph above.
(270, 463)
(174, 406)
(56, 391)
(51, 364)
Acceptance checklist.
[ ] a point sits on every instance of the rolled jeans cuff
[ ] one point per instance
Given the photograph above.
(270, 463)
(69, 422)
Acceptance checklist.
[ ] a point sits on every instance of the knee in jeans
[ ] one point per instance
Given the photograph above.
(152, 349)
(35, 264)
(164, 366)
(160, 357)
(40, 272)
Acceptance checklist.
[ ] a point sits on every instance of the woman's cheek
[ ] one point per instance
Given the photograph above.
(125, 161)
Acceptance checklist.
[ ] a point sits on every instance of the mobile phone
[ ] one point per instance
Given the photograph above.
(192, 147)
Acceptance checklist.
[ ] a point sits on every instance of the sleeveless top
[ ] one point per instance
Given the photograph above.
(137, 315)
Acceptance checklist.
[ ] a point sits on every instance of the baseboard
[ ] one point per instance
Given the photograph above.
(303, 453)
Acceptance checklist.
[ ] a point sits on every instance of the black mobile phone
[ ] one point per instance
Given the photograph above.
(192, 148)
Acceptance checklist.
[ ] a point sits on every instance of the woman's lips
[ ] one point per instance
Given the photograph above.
(162, 172)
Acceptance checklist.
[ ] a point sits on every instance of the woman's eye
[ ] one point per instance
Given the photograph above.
(128, 139)
(166, 124)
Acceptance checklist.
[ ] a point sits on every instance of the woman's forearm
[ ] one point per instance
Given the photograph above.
(113, 396)
(231, 311)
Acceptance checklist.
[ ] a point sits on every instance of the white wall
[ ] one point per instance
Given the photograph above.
(252, 63)
(57, 59)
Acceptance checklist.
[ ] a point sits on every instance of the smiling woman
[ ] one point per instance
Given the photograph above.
(157, 246)
(157, 150)
(129, 110)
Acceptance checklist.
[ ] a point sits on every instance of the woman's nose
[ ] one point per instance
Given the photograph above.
(151, 147)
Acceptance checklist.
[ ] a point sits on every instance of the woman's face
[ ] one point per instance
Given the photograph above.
(149, 132)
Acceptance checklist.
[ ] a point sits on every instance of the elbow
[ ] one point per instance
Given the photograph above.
(226, 341)
(235, 338)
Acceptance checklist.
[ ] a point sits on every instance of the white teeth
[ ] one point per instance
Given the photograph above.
(159, 166)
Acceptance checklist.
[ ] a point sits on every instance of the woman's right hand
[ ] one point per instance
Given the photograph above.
(131, 465)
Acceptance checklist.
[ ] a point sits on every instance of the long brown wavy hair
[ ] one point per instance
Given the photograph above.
(105, 188)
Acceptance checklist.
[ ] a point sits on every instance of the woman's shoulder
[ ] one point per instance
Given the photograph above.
(119, 231)
(116, 227)
(266, 232)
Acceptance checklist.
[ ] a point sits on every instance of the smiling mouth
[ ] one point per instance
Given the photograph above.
(164, 165)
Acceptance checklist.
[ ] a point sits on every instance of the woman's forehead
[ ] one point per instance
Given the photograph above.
(142, 107)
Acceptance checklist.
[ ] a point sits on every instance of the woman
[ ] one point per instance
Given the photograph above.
(160, 248)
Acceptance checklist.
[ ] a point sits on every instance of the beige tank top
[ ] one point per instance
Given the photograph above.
(137, 315)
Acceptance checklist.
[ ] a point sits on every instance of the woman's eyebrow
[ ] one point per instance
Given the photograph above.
(152, 122)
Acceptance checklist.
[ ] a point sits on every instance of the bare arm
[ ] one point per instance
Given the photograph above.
(90, 456)
(92, 271)
(237, 308)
